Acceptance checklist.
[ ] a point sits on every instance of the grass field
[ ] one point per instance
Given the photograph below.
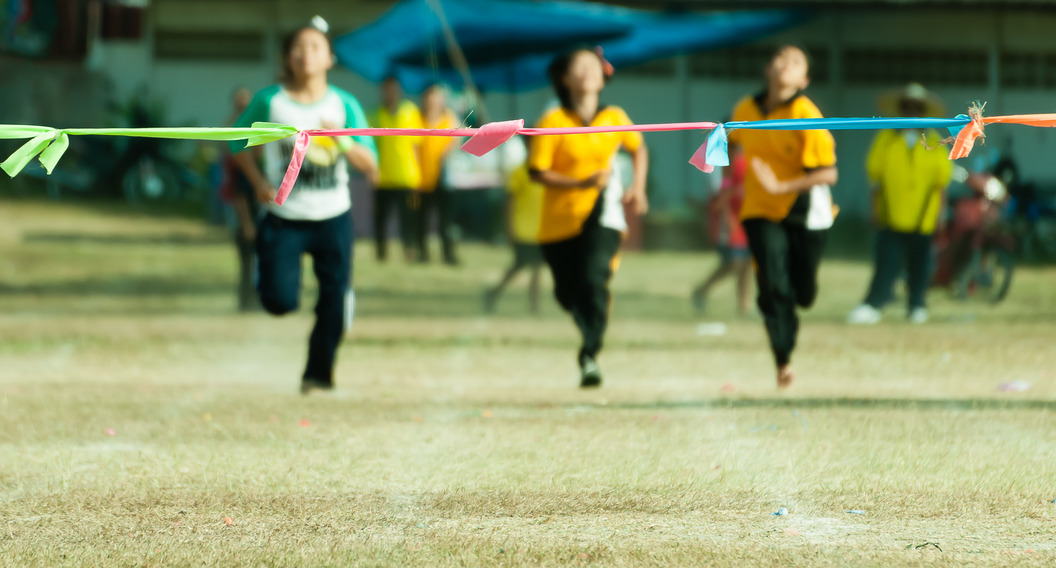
(145, 423)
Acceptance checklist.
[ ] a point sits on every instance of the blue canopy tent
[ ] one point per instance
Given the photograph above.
(508, 44)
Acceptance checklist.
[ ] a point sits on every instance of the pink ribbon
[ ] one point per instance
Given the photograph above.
(300, 147)
(458, 132)
(482, 140)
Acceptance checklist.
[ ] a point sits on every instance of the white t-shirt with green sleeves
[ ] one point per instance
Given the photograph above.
(321, 190)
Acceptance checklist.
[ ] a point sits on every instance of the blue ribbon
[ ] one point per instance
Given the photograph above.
(851, 123)
(717, 153)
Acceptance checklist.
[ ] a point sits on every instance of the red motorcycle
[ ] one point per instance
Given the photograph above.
(974, 251)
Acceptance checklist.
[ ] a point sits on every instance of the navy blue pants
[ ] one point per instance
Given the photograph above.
(582, 267)
(895, 251)
(787, 256)
(280, 245)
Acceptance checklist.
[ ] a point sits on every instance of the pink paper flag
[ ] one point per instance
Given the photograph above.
(699, 159)
(491, 136)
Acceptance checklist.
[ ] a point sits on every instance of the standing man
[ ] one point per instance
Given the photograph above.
(399, 169)
(240, 194)
(908, 171)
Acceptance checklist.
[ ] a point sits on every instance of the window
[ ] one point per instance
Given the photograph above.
(735, 63)
(748, 62)
(229, 46)
(120, 21)
(1028, 70)
(657, 68)
(928, 66)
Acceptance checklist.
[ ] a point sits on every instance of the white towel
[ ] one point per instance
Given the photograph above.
(612, 200)
(820, 215)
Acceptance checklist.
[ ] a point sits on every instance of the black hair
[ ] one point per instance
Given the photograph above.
(559, 68)
(784, 46)
(287, 47)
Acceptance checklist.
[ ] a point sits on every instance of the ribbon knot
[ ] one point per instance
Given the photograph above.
(965, 140)
(714, 152)
(491, 136)
(48, 144)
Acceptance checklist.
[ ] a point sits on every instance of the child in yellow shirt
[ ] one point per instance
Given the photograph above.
(523, 216)
(780, 198)
(580, 236)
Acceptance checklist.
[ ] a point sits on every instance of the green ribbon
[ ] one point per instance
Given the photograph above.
(49, 144)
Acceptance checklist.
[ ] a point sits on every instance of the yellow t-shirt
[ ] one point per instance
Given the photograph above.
(434, 149)
(578, 156)
(910, 179)
(788, 152)
(398, 166)
(526, 206)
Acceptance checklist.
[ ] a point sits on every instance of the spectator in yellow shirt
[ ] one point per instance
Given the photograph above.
(399, 169)
(435, 196)
(908, 171)
(787, 206)
(524, 209)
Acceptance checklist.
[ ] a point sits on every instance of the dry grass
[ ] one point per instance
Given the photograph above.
(461, 440)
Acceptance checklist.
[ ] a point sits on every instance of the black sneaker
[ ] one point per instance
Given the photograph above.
(590, 373)
(310, 385)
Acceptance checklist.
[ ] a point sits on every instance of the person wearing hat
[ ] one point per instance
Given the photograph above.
(908, 171)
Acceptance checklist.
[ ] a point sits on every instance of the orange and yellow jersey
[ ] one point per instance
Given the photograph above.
(578, 156)
(434, 149)
(789, 152)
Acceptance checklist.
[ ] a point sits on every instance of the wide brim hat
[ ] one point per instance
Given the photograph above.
(889, 102)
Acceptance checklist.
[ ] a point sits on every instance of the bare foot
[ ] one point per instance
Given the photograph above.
(785, 376)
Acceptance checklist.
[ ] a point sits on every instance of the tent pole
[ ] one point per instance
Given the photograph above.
(512, 84)
(458, 58)
(685, 104)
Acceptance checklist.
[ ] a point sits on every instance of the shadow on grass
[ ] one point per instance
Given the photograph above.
(459, 304)
(468, 302)
(138, 286)
(475, 340)
(179, 239)
(855, 403)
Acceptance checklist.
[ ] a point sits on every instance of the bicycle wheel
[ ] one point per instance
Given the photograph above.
(150, 181)
(994, 277)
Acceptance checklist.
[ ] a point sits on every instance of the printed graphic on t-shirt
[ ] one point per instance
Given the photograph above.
(319, 169)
